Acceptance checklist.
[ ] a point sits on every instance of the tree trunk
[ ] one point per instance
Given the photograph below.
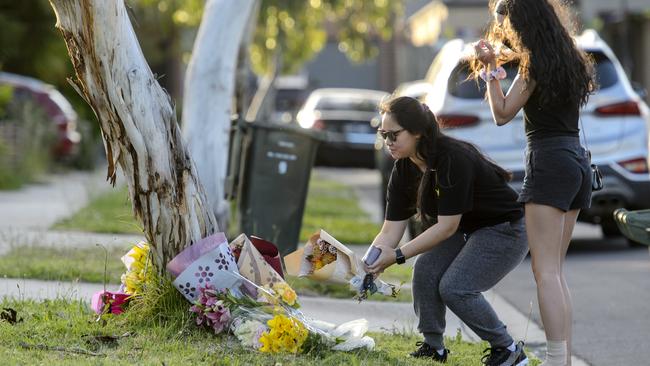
(208, 95)
(138, 124)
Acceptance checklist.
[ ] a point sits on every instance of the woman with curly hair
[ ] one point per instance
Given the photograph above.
(555, 79)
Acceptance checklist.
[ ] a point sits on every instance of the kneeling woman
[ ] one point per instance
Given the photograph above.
(478, 236)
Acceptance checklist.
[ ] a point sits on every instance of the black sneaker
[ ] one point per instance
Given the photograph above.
(501, 356)
(427, 351)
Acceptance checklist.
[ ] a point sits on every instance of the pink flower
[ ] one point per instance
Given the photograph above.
(211, 301)
(210, 310)
(110, 302)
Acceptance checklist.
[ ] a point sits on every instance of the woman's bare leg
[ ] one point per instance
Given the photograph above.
(545, 229)
(569, 223)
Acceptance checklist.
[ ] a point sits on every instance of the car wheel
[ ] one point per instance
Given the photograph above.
(610, 230)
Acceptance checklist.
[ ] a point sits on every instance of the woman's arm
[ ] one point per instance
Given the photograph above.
(390, 234)
(388, 238)
(504, 107)
(443, 229)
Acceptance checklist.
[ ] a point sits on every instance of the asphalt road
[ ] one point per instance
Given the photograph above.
(609, 281)
(610, 286)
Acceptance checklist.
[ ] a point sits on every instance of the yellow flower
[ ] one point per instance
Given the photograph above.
(139, 272)
(287, 294)
(285, 335)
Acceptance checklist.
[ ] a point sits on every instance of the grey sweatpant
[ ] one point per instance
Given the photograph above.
(455, 272)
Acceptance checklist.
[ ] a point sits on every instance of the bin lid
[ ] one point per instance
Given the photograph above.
(291, 128)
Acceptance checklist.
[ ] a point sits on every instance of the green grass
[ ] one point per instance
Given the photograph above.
(111, 212)
(397, 273)
(63, 332)
(63, 264)
(334, 207)
(330, 206)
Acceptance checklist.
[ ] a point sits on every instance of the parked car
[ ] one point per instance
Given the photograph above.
(344, 116)
(291, 91)
(55, 106)
(615, 122)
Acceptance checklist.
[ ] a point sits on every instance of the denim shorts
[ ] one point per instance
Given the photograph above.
(557, 174)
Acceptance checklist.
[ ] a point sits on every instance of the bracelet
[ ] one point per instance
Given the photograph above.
(499, 73)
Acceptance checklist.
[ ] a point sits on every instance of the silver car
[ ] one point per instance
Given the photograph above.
(615, 122)
(349, 118)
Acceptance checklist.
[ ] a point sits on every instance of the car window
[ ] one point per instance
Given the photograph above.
(606, 75)
(289, 99)
(461, 85)
(347, 104)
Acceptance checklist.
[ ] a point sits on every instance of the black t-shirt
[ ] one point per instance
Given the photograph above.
(549, 121)
(465, 185)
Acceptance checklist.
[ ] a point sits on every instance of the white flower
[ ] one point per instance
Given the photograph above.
(249, 333)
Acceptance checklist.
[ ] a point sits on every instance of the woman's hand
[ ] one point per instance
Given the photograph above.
(385, 260)
(484, 52)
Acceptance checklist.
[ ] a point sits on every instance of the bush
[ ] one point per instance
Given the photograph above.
(26, 137)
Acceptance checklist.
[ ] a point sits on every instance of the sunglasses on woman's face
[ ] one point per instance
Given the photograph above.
(391, 136)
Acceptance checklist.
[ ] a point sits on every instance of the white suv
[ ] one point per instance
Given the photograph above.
(615, 121)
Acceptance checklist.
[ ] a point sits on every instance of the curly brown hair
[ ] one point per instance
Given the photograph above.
(537, 34)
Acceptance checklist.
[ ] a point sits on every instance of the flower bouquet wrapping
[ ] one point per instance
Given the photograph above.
(208, 261)
(323, 258)
(260, 269)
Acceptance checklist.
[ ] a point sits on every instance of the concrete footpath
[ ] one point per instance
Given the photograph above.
(26, 215)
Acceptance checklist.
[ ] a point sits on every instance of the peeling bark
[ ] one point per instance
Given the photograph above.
(138, 124)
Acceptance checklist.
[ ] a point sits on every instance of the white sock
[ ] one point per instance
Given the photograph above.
(512, 347)
(441, 352)
(556, 353)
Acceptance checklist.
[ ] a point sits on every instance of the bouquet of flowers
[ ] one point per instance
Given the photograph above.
(138, 269)
(138, 272)
(271, 324)
(247, 297)
(323, 258)
(107, 302)
(322, 253)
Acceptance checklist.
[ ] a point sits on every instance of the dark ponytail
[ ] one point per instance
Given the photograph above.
(417, 119)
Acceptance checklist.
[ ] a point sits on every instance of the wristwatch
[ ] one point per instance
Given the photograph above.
(399, 257)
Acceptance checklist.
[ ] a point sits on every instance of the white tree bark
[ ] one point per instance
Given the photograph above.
(208, 95)
(138, 124)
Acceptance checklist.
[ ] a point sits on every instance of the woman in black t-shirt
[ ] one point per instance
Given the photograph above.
(477, 238)
(555, 78)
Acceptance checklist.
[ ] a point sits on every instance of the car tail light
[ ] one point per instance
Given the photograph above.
(319, 124)
(620, 109)
(456, 120)
(638, 165)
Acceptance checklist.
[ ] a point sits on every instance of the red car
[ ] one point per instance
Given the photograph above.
(54, 104)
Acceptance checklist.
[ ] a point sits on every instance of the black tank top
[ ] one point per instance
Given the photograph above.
(550, 121)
